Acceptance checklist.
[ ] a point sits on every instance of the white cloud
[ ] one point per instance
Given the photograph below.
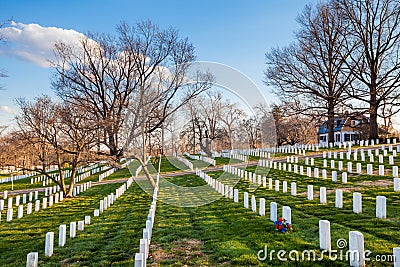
(34, 43)
(6, 109)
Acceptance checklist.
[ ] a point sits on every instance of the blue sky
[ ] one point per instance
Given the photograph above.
(235, 33)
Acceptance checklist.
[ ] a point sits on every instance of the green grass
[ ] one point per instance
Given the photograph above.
(101, 244)
(221, 233)
(224, 233)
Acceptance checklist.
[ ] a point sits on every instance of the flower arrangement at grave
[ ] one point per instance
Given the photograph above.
(282, 226)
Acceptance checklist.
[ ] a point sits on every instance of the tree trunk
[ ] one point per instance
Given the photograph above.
(373, 110)
(373, 120)
(146, 171)
(331, 123)
(73, 175)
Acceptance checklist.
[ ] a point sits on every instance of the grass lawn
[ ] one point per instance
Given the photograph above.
(103, 243)
(224, 233)
(220, 233)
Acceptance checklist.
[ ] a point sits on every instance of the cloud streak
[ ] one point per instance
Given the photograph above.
(34, 43)
(6, 109)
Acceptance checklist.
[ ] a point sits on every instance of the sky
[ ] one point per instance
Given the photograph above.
(234, 33)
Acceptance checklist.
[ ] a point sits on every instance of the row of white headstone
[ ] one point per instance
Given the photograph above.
(144, 243)
(52, 197)
(201, 157)
(33, 257)
(16, 177)
(231, 192)
(194, 157)
(106, 173)
(185, 161)
(25, 198)
(356, 152)
(315, 173)
(357, 198)
(29, 208)
(208, 160)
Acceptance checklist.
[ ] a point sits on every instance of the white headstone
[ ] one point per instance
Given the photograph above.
(324, 174)
(349, 167)
(62, 235)
(381, 170)
(396, 255)
(293, 189)
(273, 211)
(334, 176)
(310, 193)
(44, 203)
(339, 198)
(51, 198)
(10, 202)
(101, 207)
(32, 259)
(144, 247)
(139, 260)
(20, 211)
(287, 214)
(322, 195)
(261, 210)
(359, 168)
(284, 186)
(369, 169)
(357, 202)
(37, 205)
(253, 203)
(48, 247)
(395, 171)
(29, 208)
(316, 172)
(277, 185)
(344, 177)
(72, 230)
(381, 207)
(236, 195)
(246, 200)
(325, 235)
(87, 219)
(81, 225)
(96, 213)
(9, 215)
(356, 247)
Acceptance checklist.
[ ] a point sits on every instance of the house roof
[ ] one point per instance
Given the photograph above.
(339, 123)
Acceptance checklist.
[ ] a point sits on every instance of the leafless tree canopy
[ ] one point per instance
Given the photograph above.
(129, 84)
(374, 43)
(312, 69)
(60, 134)
(346, 53)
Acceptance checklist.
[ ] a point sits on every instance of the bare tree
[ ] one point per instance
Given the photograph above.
(293, 128)
(60, 133)
(374, 40)
(124, 82)
(312, 70)
(204, 125)
(230, 116)
(252, 128)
